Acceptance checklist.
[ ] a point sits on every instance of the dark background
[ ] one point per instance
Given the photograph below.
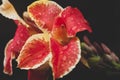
(102, 15)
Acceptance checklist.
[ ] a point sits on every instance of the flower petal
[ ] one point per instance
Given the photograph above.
(8, 11)
(35, 52)
(65, 57)
(8, 58)
(33, 29)
(74, 21)
(59, 31)
(14, 46)
(43, 13)
(21, 35)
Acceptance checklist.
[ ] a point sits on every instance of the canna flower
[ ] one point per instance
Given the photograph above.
(45, 39)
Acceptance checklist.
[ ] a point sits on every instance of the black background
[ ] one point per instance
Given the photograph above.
(102, 15)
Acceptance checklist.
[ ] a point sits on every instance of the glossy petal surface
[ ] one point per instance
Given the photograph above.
(14, 46)
(65, 57)
(21, 35)
(35, 52)
(8, 58)
(44, 13)
(74, 21)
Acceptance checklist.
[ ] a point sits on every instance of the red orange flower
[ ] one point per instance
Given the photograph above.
(47, 36)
